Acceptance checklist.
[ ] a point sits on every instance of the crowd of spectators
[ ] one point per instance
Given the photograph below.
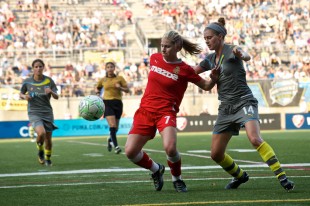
(275, 32)
(45, 29)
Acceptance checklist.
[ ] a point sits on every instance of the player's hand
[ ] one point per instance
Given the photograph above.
(27, 97)
(215, 74)
(238, 52)
(47, 90)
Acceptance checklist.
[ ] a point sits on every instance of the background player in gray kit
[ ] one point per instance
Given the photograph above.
(38, 90)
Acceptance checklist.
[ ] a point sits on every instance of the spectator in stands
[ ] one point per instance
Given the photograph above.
(167, 82)
(128, 14)
(113, 86)
(89, 68)
(238, 108)
(40, 111)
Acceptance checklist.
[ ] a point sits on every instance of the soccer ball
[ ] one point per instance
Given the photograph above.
(91, 108)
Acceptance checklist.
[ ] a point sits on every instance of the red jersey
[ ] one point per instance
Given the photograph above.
(167, 83)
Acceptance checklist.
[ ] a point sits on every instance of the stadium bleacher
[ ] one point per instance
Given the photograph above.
(276, 34)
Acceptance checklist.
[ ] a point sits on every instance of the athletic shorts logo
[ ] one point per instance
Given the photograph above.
(298, 120)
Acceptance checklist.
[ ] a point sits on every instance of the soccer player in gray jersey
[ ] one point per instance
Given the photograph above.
(238, 107)
(38, 90)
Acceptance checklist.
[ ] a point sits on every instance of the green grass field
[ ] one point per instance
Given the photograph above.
(85, 173)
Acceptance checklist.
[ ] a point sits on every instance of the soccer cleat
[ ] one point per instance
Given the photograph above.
(180, 186)
(287, 184)
(41, 157)
(236, 182)
(109, 144)
(158, 178)
(48, 163)
(118, 150)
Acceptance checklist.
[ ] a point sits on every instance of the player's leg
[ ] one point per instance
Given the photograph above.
(143, 130)
(134, 152)
(118, 110)
(48, 148)
(49, 127)
(112, 124)
(169, 138)
(218, 154)
(40, 130)
(267, 153)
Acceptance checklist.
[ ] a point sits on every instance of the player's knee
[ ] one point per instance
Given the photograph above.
(256, 140)
(217, 156)
(130, 152)
(171, 151)
(41, 135)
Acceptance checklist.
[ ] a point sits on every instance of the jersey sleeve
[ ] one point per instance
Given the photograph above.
(23, 88)
(206, 64)
(53, 86)
(123, 82)
(99, 84)
(192, 76)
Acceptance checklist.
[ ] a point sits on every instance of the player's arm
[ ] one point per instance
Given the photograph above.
(203, 66)
(99, 87)
(54, 94)
(122, 86)
(238, 52)
(25, 96)
(206, 85)
(52, 89)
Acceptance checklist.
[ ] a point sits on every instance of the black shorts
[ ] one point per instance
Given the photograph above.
(113, 108)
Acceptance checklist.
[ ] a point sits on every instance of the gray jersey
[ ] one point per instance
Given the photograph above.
(232, 85)
(39, 107)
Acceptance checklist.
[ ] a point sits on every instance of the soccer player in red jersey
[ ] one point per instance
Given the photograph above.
(167, 82)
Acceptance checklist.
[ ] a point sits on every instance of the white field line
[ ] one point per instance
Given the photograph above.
(126, 182)
(161, 151)
(125, 170)
(239, 202)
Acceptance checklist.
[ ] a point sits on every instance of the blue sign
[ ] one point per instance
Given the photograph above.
(73, 127)
(297, 121)
(14, 129)
(81, 127)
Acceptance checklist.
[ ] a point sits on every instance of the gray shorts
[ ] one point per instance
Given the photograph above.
(48, 126)
(46, 122)
(232, 117)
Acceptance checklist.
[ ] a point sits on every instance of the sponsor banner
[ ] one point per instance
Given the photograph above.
(196, 123)
(81, 127)
(75, 127)
(9, 100)
(101, 57)
(277, 92)
(270, 121)
(205, 124)
(13, 105)
(297, 121)
(14, 129)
